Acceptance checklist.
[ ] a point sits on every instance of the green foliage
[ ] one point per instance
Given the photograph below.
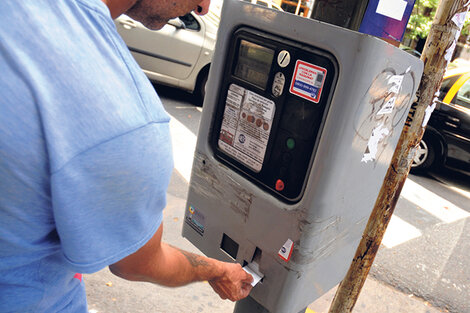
(466, 26)
(421, 18)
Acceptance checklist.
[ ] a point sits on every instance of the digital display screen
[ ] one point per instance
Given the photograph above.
(254, 63)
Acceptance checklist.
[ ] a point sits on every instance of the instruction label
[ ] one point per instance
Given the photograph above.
(246, 126)
(195, 219)
(307, 81)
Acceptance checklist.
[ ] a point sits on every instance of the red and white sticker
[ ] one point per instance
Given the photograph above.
(307, 81)
(286, 251)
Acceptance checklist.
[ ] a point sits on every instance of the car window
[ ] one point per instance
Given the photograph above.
(446, 85)
(190, 22)
(463, 95)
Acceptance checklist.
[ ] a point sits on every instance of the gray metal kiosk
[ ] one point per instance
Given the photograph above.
(299, 125)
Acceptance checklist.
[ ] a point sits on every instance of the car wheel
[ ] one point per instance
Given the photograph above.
(426, 156)
(200, 91)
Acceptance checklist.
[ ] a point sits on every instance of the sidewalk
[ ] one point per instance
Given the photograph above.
(377, 297)
(109, 294)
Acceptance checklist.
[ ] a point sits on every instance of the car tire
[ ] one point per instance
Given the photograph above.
(200, 90)
(427, 156)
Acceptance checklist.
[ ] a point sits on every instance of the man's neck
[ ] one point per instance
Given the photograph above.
(118, 7)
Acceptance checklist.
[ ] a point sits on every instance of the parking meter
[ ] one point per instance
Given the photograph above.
(300, 122)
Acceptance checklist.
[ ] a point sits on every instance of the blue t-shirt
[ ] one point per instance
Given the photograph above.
(85, 153)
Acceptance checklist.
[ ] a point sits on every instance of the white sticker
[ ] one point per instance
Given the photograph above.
(286, 250)
(392, 8)
(388, 107)
(378, 134)
(234, 99)
(246, 126)
(396, 81)
(307, 81)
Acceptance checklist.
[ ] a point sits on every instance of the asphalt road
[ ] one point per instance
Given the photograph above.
(424, 253)
(435, 264)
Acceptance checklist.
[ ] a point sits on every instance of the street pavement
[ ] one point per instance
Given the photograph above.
(107, 293)
(434, 265)
(422, 265)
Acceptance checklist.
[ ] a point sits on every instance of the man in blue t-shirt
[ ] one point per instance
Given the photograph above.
(85, 157)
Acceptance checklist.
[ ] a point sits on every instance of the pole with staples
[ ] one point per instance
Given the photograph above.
(437, 53)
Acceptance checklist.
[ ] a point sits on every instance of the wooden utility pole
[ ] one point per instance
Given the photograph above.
(437, 53)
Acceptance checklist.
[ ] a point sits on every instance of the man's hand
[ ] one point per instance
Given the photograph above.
(160, 263)
(234, 285)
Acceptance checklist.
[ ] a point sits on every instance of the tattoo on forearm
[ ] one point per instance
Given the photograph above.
(194, 259)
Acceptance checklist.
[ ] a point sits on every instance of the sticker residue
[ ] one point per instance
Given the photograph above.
(388, 107)
(246, 126)
(395, 81)
(428, 113)
(378, 134)
(430, 109)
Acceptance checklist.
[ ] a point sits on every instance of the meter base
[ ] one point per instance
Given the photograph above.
(249, 305)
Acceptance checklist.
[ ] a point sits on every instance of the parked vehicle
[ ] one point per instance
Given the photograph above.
(177, 55)
(447, 136)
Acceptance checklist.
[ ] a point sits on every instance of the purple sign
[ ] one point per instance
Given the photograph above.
(387, 18)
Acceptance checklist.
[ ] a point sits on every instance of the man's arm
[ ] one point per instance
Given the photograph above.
(160, 263)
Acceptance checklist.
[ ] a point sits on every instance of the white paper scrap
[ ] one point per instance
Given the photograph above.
(378, 134)
(459, 19)
(256, 277)
(388, 107)
(428, 113)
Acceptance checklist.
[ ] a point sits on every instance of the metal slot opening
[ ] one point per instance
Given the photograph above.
(229, 246)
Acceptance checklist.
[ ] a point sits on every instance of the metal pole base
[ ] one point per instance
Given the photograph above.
(249, 305)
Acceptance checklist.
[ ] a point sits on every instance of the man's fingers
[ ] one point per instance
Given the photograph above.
(248, 278)
(234, 285)
(246, 289)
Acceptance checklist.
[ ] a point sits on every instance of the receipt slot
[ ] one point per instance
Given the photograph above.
(299, 125)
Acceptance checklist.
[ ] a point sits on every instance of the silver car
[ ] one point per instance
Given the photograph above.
(177, 55)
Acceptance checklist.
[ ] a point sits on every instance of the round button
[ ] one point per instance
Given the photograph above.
(290, 143)
(279, 185)
(283, 58)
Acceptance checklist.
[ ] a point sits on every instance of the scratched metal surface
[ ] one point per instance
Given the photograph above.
(358, 138)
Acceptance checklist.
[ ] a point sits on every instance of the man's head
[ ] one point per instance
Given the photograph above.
(155, 13)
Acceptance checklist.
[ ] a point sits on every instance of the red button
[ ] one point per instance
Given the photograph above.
(279, 185)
